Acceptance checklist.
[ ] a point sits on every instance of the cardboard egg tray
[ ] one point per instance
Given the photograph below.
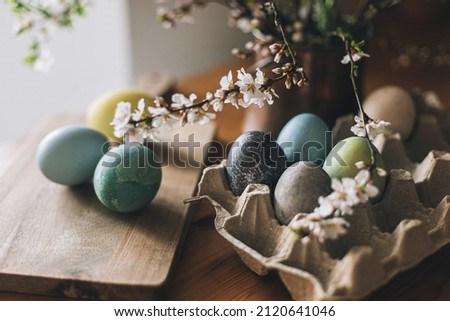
(411, 222)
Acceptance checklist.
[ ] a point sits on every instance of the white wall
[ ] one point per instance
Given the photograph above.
(91, 58)
(188, 48)
(107, 49)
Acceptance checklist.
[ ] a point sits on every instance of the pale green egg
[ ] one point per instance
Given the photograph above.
(340, 162)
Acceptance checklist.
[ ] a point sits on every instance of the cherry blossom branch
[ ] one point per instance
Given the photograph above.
(38, 18)
(182, 12)
(364, 117)
(277, 22)
(327, 221)
(365, 126)
(247, 90)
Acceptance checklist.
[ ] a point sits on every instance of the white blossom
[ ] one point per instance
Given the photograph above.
(44, 61)
(149, 133)
(261, 80)
(244, 24)
(250, 87)
(40, 18)
(133, 135)
(225, 94)
(217, 105)
(326, 207)
(330, 228)
(373, 127)
(162, 13)
(179, 101)
(138, 113)
(159, 115)
(361, 165)
(199, 116)
(121, 119)
(365, 189)
(381, 171)
(169, 17)
(226, 82)
(325, 222)
(231, 97)
(432, 100)
(347, 193)
(355, 57)
(216, 102)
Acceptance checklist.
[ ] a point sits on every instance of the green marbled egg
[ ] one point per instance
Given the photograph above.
(340, 162)
(127, 178)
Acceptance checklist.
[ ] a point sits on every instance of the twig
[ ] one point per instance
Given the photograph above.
(364, 116)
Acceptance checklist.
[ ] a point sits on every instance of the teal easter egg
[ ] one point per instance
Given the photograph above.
(340, 162)
(305, 138)
(69, 155)
(127, 178)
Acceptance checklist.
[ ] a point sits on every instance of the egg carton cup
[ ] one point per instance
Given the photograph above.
(411, 222)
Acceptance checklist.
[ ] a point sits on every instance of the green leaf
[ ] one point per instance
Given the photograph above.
(34, 46)
(20, 31)
(30, 59)
(79, 9)
(47, 14)
(65, 21)
(355, 70)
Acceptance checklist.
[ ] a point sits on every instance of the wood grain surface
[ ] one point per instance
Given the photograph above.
(209, 268)
(62, 241)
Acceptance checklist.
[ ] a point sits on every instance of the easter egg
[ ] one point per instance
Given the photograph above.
(299, 189)
(305, 138)
(127, 178)
(342, 158)
(69, 155)
(254, 158)
(392, 104)
(101, 111)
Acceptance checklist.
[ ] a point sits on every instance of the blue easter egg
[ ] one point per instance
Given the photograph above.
(305, 138)
(69, 155)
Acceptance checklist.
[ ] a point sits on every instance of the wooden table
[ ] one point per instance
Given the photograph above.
(209, 269)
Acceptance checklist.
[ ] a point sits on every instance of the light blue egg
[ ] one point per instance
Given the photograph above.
(305, 138)
(69, 155)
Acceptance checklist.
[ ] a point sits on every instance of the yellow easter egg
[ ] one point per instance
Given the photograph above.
(101, 111)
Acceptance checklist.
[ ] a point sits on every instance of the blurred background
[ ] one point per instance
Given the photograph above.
(120, 39)
(107, 49)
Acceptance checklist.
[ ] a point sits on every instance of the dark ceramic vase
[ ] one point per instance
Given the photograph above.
(328, 95)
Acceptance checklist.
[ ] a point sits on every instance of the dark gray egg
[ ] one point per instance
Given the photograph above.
(298, 190)
(254, 158)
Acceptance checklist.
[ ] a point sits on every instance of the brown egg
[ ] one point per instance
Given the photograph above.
(392, 104)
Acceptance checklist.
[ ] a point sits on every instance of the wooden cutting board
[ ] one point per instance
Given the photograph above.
(62, 241)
